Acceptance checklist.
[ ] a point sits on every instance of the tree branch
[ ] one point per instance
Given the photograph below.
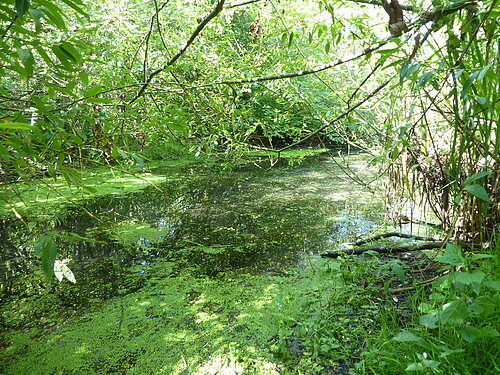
(408, 8)
(241, 4)
(392, 234)
(196, 32)
(383, 250)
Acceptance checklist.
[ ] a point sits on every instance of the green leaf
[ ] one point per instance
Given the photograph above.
(476, 176)
(481, 100)
(92, 91)
(446, 352)
(495, 285)
(469, 278)
(75, 6)
(481, 256)
(70, 50)
(405, 336)
(22, 7)
(425, 78)
(454, 313)
(72, 176)
(483, 72)
(62, 57)
(452, 255)
(471, 334)
(53, 13)
(84, 78)
(414, 367)
(46, 248)
(429, 320)
(23, 54)
(399, 271)
(16, 126)
(478, 191)
(407, 70)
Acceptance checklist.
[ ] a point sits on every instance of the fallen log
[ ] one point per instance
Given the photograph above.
(384, 250)
(392, 234)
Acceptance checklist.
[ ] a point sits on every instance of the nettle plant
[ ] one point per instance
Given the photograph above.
(465, 296)
(460, 310)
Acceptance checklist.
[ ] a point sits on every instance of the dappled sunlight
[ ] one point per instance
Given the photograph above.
(215, 260)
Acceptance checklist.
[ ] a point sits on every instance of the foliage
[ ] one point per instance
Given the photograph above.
(85, 84)
(449, 152)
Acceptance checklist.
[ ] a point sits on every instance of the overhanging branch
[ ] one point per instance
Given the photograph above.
(196, 32)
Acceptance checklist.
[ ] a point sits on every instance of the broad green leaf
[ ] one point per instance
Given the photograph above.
(405, 336)
(469, 278)
(454, 313)
(422, 365)
(476, 176)
(4, 152)
(446, 352)
(407, 70)
(16, 126)
(22, 7)
(70, 50)
(429, 320)
(481, 100)
(90, 189)
(84, 77)
(62, 57)
(44, 55)
(414, 367)
(23, 54)
(399, 271)
(495, 285)
(425, 78)
(452, 255)
(468, 84)
(483, 72)
(483, 305)
(92, 91)
(471, 334)
(478, 191)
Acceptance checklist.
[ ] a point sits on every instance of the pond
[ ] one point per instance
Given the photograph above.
(195, 278)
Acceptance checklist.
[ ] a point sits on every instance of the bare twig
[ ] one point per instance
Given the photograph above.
(425, 282)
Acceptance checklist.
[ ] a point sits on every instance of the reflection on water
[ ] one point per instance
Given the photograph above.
(208, 222)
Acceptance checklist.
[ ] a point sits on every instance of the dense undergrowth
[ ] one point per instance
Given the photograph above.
(325, 317)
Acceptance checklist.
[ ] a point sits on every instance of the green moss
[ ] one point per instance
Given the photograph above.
(175, 325)
(43, 196)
